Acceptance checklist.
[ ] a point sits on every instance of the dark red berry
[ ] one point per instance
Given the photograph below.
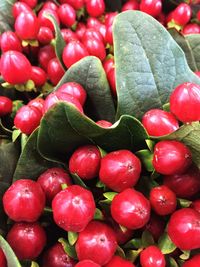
(73, 208)
(74, 89)
(3, 262)
(38, 76)
(51, 182)
(151, 7)
(120, 170)
(87, 263)
(15, 67)
(108, 64)
(131, 209)
(50, 5)
(184, 229)
(193, 262)
(77, 4)
(93, 33)
(112, 81)
(55, 70)
(45, 22)
(171, 157)
(73, 52)
(158, 122)
(80, 30)
(68, 35)
(24, 201)
(104, 123)
(67, 15)
(55, 256)
(19, 7)
(37, 103)
(97, 242)
(196, 205)
(163, 200)
(94, 47)
(27, 240)
(130, 5)
(45, 35)
(27, 119)
(191, 28)
(95, 8)
(10, 41)
(181, 14)
(119, 262)
(31, 3)
(5, 105)
(152, 257)
(46, 53)
(155, 226)
(185, 102)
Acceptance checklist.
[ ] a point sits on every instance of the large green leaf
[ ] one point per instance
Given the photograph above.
(149, 63)
(6, 18)
(30, 164)
(11, 258)
(191, 46)
(90, 74)
(63, 129)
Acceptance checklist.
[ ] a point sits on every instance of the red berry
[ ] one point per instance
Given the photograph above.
(3, 262)
(73, 52)
(171, 157)
(87, 263)
(95, 8)
(104, 124)
(55, 256)
(156, 226)
(31, 3)
(92, 33)
(77, 4)
(181, 14)
(120, 170)
(197, 73)
(73, 208)
(51, 182)
(55, 71)
(27, 119)
(45, 22)
(45, 35)
(158, 122)
(10, 41)
(108, 64)
(97, 242)
(119, 262)
(93, 23)
(196, 205)
(111, 76)
(50, 5)
(56, 97)
(94, 47)
(152, 257)
(184, 185)
(185, 102)
(163, 200)
(85, 162)
(74, 89)
(68, 35)
(193, 262)
(130, 5)
(80, 30)
(15, 67)
(131, 209)
(27, 240)
(46, 53)
(67, 15)
(109, 35)
(5, 105)
(183, 229)
(151, 7)
(191, 28)
(37, 103)
(24, 200)
(20, 7)
(38, 76)
(27, 26)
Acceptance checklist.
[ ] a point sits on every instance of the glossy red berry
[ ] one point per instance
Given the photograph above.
(15, 67)
(97, 242)
(19, 7)
(158, 122)
(27, 240)
(68, 35)
(74, 89)
(27, 26)
(77, 4)
(104, 123)
(55, 256)
(184, 230)
(119, 262)
(46, 53)
(185, 102)
(108, 64)
(5, 105)
(131, 209)
(37, 103)
(196, 205)
(95, 8)
(10, 41)
(87, 263)
(50, 5)
(130, 5)
(55, 71)
(85, 162)
(27, 119)
(67, 15)
(80, 30)
(163, 200)
(92, 33)
(191, 28)
(120, 170)
(94, 47)
(184, 185)
(45, 22)
(73, 52)
(3, 262)
(73, 208)
(181, 14)
(51, 182)
(24, 201)
(171, 157)
(112, 81)
(38, 76)
(156, 226)
(152, 257)
(56, 97)
(31, 3)
(151, 7)
(193, 262)
(45, 35)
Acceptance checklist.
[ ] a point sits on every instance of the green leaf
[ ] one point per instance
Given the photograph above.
(77, 180)
(146, 157)
(6, 18)
(120, 252)
(72, 237)
(147, 239)
(11, 258)
(34, 264)
(59, 42)
(98, 214)
(189, 135)
(165, 244)
(134, 243)
(110, 195)
(15, 134)
(185, 255)
(90, 74)
(191, 46)
(31, 164)
(184, 203)
(70, 250)
(148, 66)
(102, 152)
(63, 129)
(172, 262)
(132, 255)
